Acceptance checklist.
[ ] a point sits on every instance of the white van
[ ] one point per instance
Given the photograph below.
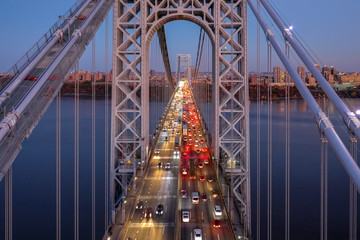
(218, 211)
(195, 197)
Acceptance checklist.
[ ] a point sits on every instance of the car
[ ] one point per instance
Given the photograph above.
(210, 179)
(185, 216)
(31, 78)
(167, 165)
(190, 143)
(216, 223)
(202, 178)
(183, 193)
(218, 211)
(197, 234)
(195, 197)
(201, 140)
(184, 171)
(197, 150)
(184, 138)
(148, 213)
(200, 165)
(196, 140)
(157, 151)
(200, 134)
(159, 165)
(81, 17)
(215, 194)
(184, 154)
(204, 197)
(140, 205)
(159, 209)
(204, 149)
(206, 161)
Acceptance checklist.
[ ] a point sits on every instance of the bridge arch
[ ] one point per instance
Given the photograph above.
(177, 17)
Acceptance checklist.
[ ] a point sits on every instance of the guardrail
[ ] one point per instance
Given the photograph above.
(38, 46)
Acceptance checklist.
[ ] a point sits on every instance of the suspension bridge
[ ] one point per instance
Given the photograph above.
(189, 176)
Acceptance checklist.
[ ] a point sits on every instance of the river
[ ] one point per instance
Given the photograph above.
(34, 173)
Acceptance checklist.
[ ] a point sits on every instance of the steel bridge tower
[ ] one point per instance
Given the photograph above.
(135, 23)
(183, 60)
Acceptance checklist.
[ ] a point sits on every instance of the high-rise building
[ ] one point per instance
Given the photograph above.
(301, 72)
(277, 74)
(288, 77)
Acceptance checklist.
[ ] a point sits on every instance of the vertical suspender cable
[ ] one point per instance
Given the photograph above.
(353, 194)
(258, 132)
(287, 150)
(324, 187)
(93, 121)
(8, 204)
(76, 157)
(58, 166)
(269, 226)
(107, 121)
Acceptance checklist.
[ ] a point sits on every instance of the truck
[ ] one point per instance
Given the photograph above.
(192, 170)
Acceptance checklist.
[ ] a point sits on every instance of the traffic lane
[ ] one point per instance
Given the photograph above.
(149, 231)
(156, 187)
(167, 216)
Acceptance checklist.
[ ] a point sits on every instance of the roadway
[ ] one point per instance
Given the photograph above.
(163, 186)
(160, 186)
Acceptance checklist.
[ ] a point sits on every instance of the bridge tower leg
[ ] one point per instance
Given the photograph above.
(230, 95)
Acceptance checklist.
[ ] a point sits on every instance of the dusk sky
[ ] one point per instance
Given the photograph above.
(329, 27)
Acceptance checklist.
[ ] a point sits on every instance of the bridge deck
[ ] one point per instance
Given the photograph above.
(162, 185)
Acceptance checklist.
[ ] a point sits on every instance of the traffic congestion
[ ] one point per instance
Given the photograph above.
(180, 195)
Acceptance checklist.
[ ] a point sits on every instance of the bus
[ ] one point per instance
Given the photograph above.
(184, 130)
(177, 143)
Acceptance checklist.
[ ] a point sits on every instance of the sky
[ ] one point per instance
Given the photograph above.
(329, 27)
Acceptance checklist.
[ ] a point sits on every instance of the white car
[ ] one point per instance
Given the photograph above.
(197, 234)
(157, 151)
(185, 216)
(167, 166)
(218, 211)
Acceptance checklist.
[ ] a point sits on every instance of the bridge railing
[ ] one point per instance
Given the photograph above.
(38, 46)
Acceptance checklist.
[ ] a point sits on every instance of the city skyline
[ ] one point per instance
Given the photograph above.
(332, 39)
